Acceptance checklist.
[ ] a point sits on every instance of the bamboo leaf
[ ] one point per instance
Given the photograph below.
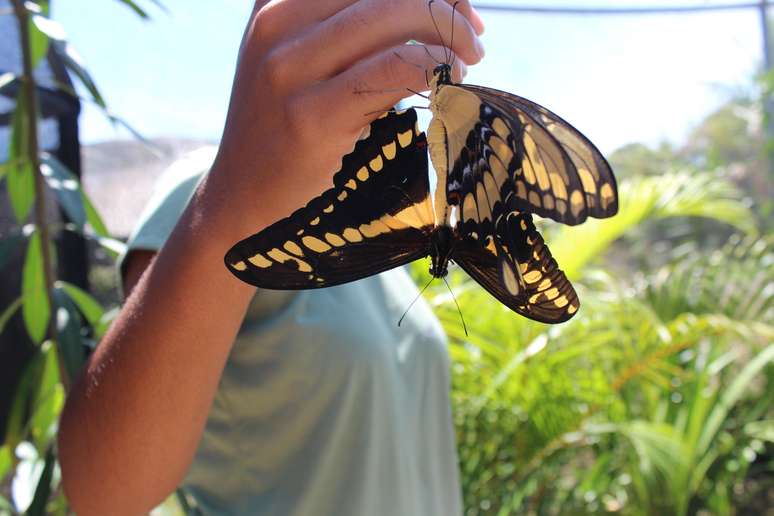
(21, 181)
(70, 194)
(39, 41)
(48, 401)
(35, 309)
(66, 187)
(68, 326)
(74, 64)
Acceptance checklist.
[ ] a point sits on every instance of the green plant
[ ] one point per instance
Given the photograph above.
(638, 404)
(61, 320)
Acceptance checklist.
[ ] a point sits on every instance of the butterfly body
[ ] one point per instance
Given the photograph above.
(498, 159)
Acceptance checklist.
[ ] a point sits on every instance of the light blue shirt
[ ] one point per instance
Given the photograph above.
(326, 406)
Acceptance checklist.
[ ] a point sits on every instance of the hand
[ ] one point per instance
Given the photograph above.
(311, 76)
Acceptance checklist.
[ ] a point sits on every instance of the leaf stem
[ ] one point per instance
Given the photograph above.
(33, 154)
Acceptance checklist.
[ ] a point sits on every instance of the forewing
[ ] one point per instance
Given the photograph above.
(377, 216)
(546, 164)
(520, 272)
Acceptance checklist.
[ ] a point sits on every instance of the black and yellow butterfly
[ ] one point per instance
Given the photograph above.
(498, 158)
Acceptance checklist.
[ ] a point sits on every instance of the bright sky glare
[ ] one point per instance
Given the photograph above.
(619, 79)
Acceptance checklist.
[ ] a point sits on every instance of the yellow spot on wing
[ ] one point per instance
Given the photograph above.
(342, 195)
(240, 266)
(500, 128)
(576, 202)
(561, 301)
(351, 184)
(353, 235)
(314, 221)
(498, 170)
(293, 247)
(405, 138)
(588, 181)
(362, 174)
(259, 260)
(484, 212)
(469, 211)
(501, 149)
(492, 189)
(334, 239)
(389, 150)
(376, 164)
(557, 184)
(532, 276)
(607, 195)
(315, 244)
(534, 199)
(548, 202)
(329, 209)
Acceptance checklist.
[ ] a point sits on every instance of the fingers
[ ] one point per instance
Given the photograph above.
(280, 19)
(369, 26)
(374, 85)
(465, 9)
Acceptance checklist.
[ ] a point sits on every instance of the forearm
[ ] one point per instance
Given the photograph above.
(134, 418)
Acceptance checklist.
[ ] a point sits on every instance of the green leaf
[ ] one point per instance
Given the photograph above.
(9, 246)
(71, 195)
(36, 310)
(24, 391)
(89, 307)
(73, 62)
(43, 490)
(732, 394)
(21, 181)
(66, 187)
(763, 430)
(9, 311)
(68, 326)
(48, 401)
(680, 194)
(5, 461)
(38, 39)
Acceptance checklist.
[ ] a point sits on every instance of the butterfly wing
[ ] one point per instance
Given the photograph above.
(534, 155)
(377, 216)
(520, 272)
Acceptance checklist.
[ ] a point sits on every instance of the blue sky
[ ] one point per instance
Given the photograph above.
(618, 79)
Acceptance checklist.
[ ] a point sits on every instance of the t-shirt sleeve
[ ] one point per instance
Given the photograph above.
(170, 196)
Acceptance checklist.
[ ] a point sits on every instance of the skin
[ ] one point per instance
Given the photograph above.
(310, 75)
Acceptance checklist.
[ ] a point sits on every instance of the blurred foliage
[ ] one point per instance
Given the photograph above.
(657, 397)
(61, 320)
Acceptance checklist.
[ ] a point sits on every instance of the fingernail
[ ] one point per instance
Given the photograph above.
(480, 48)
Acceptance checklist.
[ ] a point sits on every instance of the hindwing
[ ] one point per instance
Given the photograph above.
(377, 216)
(541, 160)
(520, 271)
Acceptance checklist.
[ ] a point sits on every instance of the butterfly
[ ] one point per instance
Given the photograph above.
(499, 158)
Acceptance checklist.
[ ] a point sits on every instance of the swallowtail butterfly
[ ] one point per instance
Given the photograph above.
(499, 158)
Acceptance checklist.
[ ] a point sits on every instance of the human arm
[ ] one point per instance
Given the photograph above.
(307, 75)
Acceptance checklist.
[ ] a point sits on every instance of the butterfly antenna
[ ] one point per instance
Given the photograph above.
(415, 300)
(464, 327)
(430, 8)
(451, 46)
